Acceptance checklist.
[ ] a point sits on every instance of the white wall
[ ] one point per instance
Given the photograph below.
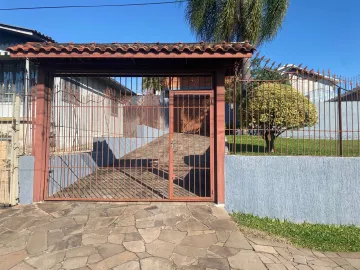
(6, 126)
(75, 125)
(316, 90)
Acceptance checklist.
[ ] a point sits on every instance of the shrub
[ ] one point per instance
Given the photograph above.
(278, 107)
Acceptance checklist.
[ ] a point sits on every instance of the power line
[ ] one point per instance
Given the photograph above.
(94, 6)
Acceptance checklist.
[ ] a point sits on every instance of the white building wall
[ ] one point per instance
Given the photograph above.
(74, 126)
(317, 90)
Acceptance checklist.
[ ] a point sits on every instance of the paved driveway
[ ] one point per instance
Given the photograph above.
(68, 235)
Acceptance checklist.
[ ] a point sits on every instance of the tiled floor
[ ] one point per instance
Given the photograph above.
(147, 236)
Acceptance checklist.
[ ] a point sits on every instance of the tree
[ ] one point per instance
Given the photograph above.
(153, 84)
(257, 21)
(260, 73)
(276, 108)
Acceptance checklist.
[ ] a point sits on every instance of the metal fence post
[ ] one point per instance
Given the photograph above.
(14, 178)
(234, 116)
(340, 123)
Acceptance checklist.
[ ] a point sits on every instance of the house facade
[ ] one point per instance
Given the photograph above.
(317, 87)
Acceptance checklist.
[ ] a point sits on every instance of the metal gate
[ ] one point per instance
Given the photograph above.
(122, 139)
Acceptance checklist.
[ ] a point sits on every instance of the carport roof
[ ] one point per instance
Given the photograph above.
(132, 50)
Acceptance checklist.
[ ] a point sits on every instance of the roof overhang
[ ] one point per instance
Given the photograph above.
(30, 33)
(297, 70)
(136, 50)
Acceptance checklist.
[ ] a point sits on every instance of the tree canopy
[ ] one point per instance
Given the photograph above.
(257, 21)
(279, 107)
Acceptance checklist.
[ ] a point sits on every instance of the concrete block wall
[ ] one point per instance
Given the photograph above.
(322, 190)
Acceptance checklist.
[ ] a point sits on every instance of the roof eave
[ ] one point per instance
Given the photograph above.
(28, 32)
(234, 55)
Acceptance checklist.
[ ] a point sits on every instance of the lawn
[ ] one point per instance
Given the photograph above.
(255, 145)
(312, 236)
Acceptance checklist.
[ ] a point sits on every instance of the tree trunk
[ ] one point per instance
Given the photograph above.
(245, 75)
(245, 71)
(269, 137)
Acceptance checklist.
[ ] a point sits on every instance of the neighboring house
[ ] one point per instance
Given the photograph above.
(350, 95)
(11, 35)
(317, 87)
(71, 117)
(16, 76)
(323, 92)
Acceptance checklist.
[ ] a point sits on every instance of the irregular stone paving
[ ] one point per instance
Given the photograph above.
(147, 236)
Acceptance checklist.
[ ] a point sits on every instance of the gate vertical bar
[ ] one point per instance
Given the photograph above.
(212, 162)
(219, 87)
(340, 123)
(42, 133)
(171, 150)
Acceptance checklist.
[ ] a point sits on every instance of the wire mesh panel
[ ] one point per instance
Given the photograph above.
(110, 139)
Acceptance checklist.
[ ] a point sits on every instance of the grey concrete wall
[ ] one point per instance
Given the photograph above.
(66, 169)
(111, 148)
(314, 189)
(26, 179)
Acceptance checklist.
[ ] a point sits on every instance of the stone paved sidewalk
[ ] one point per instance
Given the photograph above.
(149, 236)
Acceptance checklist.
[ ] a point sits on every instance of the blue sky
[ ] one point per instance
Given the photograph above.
(321, 34)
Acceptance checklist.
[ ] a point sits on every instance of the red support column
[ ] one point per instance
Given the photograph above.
(219, 86)
(42, 133)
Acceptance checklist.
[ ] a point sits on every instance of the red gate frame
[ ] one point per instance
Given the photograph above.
(41, 149)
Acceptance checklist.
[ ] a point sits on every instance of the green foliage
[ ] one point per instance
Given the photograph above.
(279, 107)
(236, 20)
(260, 73)
(312, 236)
(153, 83)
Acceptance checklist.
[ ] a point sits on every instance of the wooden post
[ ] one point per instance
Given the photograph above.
(15, 145)
(219, 87)
(42, 133)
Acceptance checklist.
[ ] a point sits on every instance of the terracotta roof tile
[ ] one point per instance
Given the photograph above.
(133, 48)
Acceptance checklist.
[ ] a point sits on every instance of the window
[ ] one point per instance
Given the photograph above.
(71, 90)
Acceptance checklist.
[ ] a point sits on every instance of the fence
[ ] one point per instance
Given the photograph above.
(290, 110)
(17, 88)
